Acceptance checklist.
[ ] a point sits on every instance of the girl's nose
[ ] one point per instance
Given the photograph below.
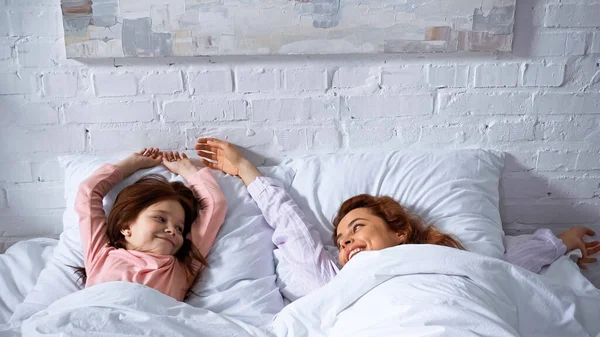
(169, 230)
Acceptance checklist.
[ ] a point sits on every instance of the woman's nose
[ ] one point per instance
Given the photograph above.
(347, 242)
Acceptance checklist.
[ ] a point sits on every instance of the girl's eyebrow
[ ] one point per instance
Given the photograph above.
(349, 225)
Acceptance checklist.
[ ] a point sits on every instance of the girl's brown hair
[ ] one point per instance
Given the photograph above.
(398, 219)
(133, 199)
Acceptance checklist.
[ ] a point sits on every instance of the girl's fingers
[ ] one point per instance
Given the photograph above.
(142, 152)
(177, 156)
(183, 155)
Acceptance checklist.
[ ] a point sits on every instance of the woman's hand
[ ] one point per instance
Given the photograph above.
(140, 160)
(226, 157)
(179, 163)
(573, 239)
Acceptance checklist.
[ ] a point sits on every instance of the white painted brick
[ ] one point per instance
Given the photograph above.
(572, 15)
(22, 113)
(162, 83)
(294, 109)
(4, 23)
(7, 59)
(118, 112)
(574, 187)
(407, 134)
(539, 75)
(49, 170)
(213, 81)
(595, 48)
(38, 54)
(3, 201)
(443, 135)
(35, 21)
(60, 84)
(255, 80)
(284, 109)
(558, 213)
(557, 44)
(511, 132)
(519, 187)
(12, 83)
(291, 139)
(51, 139)
(115, 85)
(389, 106)
(208, 111)
(484, 103)
(556, 160)
(407, 76)
(15, 172)
(325, 140)
(588, 161)
(348, 77)
(112, 140)
(178, 111)
(360, 135)
(519, 161)
(34, 223)
(39, 195)
(305, 79)
(569, 130)
(448, 76)
(496, 75)
(566, 103)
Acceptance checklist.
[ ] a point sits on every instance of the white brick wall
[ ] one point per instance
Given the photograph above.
(539, 104)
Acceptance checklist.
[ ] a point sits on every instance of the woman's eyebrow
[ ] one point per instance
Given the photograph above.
(353, 221)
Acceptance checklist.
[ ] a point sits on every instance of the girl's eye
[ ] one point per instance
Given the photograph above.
(180, 229)
(355, 228)
(160, 219)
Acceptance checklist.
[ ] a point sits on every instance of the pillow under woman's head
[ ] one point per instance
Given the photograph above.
(457, 191)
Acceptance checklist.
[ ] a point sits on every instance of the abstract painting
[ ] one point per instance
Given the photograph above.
(150, 28)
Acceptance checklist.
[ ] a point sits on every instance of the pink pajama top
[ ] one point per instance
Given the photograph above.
(164, 273)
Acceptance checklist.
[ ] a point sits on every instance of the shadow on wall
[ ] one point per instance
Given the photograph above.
(524, 29)
(556, 200)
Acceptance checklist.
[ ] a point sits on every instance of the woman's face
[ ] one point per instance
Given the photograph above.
(360, 230)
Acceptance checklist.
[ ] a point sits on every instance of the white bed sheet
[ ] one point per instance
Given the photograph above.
(20, 267)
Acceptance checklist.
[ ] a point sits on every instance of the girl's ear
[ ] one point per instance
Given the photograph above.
(126, 232)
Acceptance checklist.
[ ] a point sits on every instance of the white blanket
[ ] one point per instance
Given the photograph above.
(410, 290)
(425, 290)
(127, 309)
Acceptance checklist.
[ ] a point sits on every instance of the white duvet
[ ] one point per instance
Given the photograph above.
(411, 290)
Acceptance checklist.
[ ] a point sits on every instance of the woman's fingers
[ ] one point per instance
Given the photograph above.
(210, 164)
(142, 151)
(208, 155)
(213, 141)
(183, 155)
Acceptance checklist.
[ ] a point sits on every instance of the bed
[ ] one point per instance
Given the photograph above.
(241, 293)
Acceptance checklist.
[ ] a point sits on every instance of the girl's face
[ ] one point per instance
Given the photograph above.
(157, 229)
(360, 230)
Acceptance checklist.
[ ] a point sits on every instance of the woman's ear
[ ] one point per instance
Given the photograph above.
(126, 232)
(401, 237)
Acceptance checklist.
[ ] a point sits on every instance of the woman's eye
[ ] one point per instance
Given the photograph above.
(355, 228)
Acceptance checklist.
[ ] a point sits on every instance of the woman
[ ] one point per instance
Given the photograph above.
(363, 223)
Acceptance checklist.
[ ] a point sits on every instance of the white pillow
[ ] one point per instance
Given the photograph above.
(240, 280)
(456, 190)
(20, 267)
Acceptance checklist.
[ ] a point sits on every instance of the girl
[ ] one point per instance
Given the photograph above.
(156, 234)
(363, 223)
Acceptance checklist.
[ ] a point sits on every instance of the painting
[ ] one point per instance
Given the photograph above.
(151, 28)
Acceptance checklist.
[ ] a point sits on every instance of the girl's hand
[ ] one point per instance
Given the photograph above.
(140, 160)
(573, 239)
(226, 157)
(179, 163)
